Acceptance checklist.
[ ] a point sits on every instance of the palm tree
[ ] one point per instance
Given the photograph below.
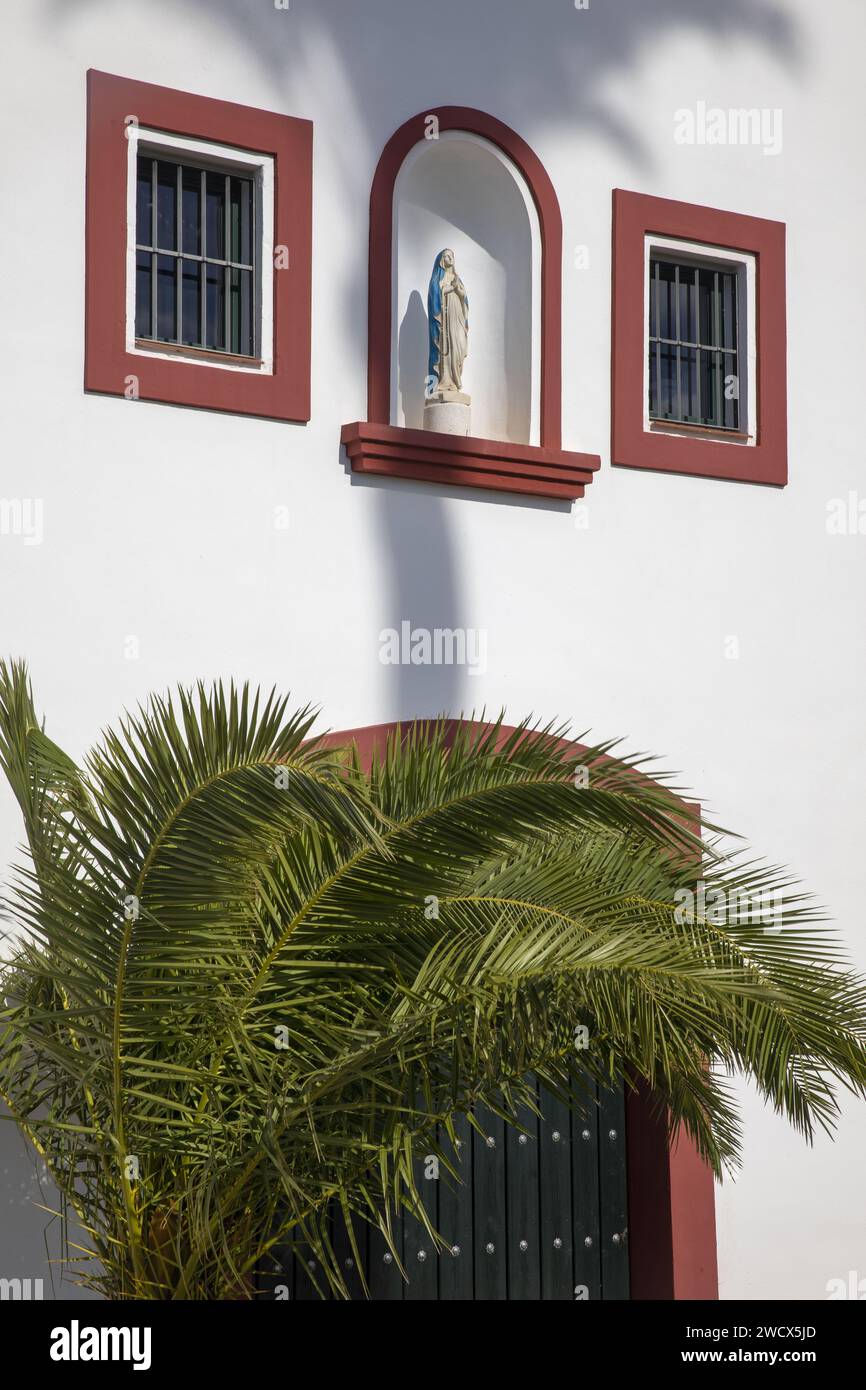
(252, 980)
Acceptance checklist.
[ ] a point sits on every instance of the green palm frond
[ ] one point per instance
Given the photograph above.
(254, 980)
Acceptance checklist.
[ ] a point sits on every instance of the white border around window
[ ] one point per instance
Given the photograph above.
(262, 168)
(747, 348)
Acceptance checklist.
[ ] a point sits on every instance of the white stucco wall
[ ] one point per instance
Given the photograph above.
(159, 521)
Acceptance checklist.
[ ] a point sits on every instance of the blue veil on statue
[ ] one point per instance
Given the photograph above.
(434, 315)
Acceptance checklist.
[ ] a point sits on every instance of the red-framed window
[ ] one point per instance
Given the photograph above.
(699, 342)
(198, 251)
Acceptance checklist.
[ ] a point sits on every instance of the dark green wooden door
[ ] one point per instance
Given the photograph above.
(540, 1215)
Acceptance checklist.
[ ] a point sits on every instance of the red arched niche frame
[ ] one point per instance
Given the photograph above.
(671, 1194)
(377, 446)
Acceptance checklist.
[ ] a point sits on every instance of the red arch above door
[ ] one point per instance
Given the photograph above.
(671, 1194)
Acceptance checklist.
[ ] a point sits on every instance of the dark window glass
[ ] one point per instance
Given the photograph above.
(216, 308)
(191, 212)
(693, 344)
(240, 221)
(191, 301)
(667, 321)
(709, 372)
(729, 312)
(166, 206)
(668, 389)
(143, 311)
(707, 307)
(689, 383)
(241, 311)
(215, 242)
(205, 257)
(730, 390)
(166, 298)
(144, 203)
(688, 330)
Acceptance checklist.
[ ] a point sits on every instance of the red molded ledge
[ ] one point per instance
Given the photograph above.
(466, 462)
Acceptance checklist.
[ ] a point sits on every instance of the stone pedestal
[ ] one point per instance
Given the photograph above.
(448, 413)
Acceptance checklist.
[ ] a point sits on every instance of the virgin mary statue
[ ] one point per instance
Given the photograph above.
(448, 317)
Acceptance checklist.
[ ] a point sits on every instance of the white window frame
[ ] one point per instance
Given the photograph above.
(745, 264)
(142, 140)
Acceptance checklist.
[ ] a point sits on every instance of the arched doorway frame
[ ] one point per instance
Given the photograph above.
(671, 1191)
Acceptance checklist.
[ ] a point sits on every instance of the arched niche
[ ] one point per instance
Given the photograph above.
(464, 192)
(454, 174)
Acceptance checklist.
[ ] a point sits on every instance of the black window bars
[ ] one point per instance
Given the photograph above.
(693, 344)
(196, 257)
